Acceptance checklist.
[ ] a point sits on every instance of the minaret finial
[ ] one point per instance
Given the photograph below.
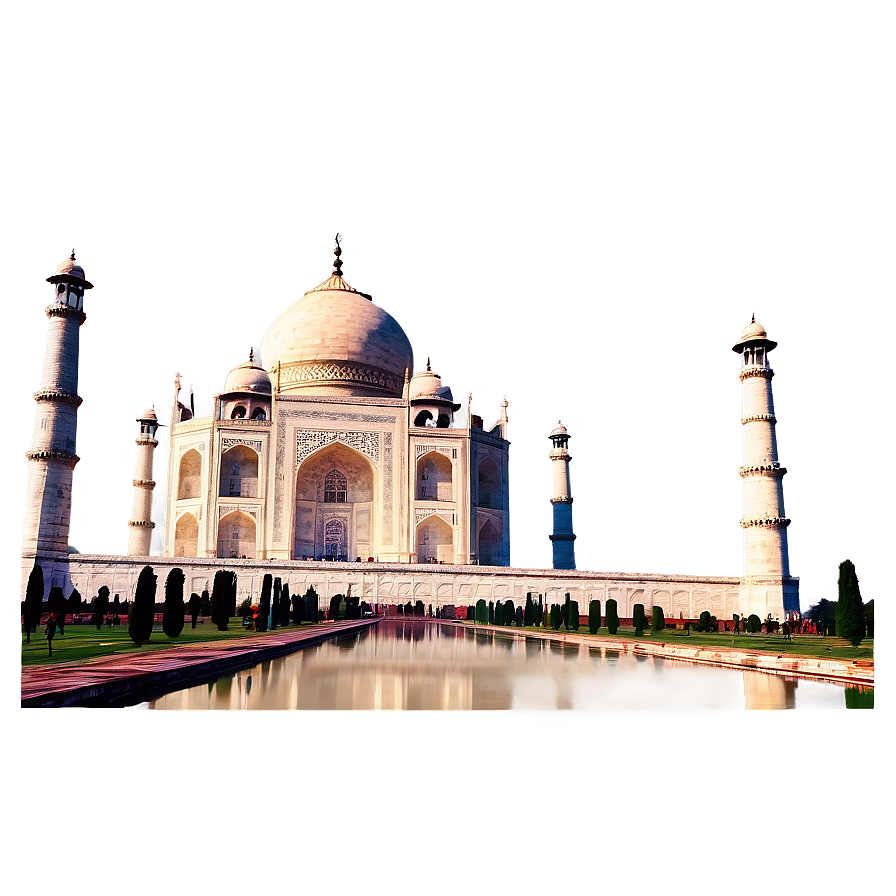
(251, 355)
(753, 321)
(73, 255)
(337, 265)
(427, 364)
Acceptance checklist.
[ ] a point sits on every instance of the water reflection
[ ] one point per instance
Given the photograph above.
(414, 664)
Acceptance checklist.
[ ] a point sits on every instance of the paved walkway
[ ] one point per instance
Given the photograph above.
(113, 679)
(857, 672)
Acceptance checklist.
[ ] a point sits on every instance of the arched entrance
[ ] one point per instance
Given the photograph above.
(239, 473)
(489, 552)
(236, 535)
(186, 536)
(334, 505)
(435, 541)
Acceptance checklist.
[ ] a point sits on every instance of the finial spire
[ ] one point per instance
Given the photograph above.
(73, 255)
(251, 355)
(753, 321)
(337, 265)
(427, 364)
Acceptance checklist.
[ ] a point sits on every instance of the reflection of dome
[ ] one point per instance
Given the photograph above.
(70, 272)
(248, 377)
(335, 340)
(754, 333)
(427, 386)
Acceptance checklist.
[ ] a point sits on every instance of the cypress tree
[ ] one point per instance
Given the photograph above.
(275, 604)
(312, 608)
(297, 609)
(284, 605)
(34, 601)
(850, 609)
(509, 612)
(528, 612)
(100, 605)
(556, 616)
(173, 613)
(573, 624)
(593, 616)
(205, 603)
(564, 617)
(659, 619)
(639, 620)
(143, 609)
(194, 604)
(220, 600)
(58, 606)
(74, 602)
(612, 617)
(481, 614)
(264, 603)
(519, 617)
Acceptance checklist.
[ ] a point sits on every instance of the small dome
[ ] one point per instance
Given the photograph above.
(428, 386)
(70, 272)
(754, 332)
(148, 414)
(248, 377)
(558, 430)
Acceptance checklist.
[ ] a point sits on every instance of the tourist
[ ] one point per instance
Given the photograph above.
(50, 632)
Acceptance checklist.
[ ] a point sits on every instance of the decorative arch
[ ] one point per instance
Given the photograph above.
(435, 541)
(434, 478)
(335, 482)
(186, 536)
(236, 535)
(189, 476)
(489, 484)
(239, 473)
(489, 549)
(422, 418)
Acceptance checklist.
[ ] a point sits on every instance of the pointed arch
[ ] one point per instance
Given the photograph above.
(239, 473)
(489, 483)
(434, 478)
(237, 535)
(186, 536)
(489, 549)
(189, 476)
(435, 541)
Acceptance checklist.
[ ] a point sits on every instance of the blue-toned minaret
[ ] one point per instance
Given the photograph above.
(561, 499)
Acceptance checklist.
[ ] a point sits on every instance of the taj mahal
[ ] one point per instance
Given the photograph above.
(330, 460)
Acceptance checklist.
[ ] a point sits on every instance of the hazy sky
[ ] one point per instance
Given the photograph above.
(576, 205)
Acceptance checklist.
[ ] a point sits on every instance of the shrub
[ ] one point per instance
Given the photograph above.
(142, 611)
(639, 620)
(593, 616)
(659, 620)
(850, 609)
(481, 614)
(736, 619)
(34, 601)
(704, 625)
(612, 617)
(173, 613)
(754, 624)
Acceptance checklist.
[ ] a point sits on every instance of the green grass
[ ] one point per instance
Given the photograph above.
(82, 642)
(816, 646)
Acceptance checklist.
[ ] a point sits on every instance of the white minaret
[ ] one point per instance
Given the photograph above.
(562, 537)
(141, 524)
(52, 458)
(768, 585)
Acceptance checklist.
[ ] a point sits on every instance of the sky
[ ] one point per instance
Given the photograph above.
(576, 206)
(580, 219)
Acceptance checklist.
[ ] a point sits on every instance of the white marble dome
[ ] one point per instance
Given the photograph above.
(248, 377)
(754, 332)
(427, 386)
(333, 341)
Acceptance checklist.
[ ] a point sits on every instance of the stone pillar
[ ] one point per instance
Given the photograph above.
(768, 585)
(141, 524)
(562, 537)
(52, 458)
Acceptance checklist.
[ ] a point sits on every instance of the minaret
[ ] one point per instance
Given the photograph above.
(562, 537)
(768, 586)
(52, 458)
(141, 524)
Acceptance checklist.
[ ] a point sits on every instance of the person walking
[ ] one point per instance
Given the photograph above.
(50, 632)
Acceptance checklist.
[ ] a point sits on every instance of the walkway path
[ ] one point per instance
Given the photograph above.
(115, 680)
(856, 672)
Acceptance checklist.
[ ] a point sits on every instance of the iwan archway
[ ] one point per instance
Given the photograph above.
(334, 505)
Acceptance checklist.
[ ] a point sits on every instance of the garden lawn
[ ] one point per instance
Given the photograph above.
(81, 642)
(816, 646)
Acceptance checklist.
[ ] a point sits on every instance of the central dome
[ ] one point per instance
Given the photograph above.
(335, 341)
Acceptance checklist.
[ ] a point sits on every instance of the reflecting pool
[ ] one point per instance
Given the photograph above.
(406, 664)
